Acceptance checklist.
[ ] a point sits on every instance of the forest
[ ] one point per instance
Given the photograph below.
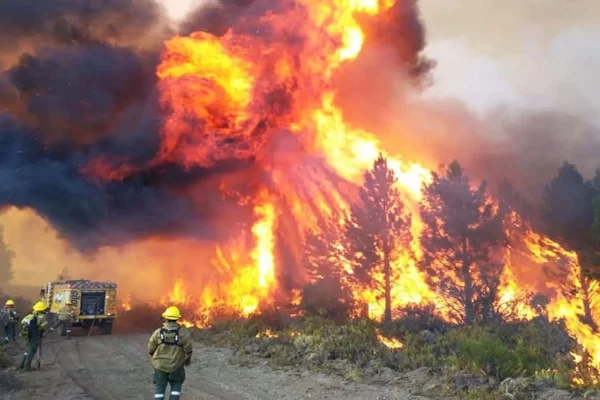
(479, 342)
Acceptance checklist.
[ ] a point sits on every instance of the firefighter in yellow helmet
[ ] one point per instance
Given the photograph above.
(33, 327)
(65, 318)
(8, 321)
(171, 349)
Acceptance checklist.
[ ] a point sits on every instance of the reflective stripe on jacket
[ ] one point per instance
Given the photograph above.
(66, 313)
(42, 324)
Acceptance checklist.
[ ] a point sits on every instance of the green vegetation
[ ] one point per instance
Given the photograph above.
(467, 361)
(488, 352)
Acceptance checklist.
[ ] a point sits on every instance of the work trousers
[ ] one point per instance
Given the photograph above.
(174, 379)
(10, 330)
(30, 349)
(65, 328)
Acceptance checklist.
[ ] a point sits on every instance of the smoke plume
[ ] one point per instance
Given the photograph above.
(80, 120)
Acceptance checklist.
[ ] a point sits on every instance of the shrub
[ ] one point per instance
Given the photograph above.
(478, 349)
(420, 350)
(526, 349)
(416, 319)
(508, 350)
(326, 298)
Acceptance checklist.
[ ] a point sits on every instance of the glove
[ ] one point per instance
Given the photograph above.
(188, 360)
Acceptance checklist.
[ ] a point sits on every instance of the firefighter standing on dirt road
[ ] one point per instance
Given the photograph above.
(33, 327)
(171, 349)
(65, 317)
(8, 321)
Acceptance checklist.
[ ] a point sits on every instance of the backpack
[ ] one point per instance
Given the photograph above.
(163, 338)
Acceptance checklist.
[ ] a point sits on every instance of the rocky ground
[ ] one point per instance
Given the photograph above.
(117, 367)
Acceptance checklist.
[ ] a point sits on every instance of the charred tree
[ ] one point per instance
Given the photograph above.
(460, 237)
(378, 230)
(568, 214)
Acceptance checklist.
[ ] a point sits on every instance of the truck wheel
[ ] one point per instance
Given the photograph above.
(106, 328)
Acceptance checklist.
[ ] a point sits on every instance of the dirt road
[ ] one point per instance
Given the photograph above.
(117, 367)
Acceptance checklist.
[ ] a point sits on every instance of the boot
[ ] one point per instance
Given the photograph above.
(22, 366)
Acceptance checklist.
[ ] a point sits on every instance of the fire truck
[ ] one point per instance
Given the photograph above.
(94, 303)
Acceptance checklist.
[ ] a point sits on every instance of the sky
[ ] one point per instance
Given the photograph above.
(532, 54)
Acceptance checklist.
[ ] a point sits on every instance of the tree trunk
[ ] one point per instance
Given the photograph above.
(587, 307)
(387, 272)
(468, 279)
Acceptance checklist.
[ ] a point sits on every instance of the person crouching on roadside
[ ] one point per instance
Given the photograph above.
(170, 348)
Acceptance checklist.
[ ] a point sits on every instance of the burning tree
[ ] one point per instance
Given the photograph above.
(327, 293)
(460, 237)
(568, 213)
(378, 231)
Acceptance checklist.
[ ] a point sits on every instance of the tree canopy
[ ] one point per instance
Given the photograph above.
(460, 236)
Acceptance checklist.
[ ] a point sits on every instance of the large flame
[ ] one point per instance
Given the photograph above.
(222, 94)
(266, 93)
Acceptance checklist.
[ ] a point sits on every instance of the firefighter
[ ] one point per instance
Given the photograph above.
(65, 317)
(9, 318)
(33, 327)
(170, 348)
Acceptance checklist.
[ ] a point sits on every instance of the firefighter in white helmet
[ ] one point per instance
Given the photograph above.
(171, 349)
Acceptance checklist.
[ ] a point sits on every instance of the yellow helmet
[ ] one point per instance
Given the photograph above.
(39, 306)
(10, 303)
(69, 303)
(172, 313)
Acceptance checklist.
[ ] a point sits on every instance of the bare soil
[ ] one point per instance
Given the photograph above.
(118, 367)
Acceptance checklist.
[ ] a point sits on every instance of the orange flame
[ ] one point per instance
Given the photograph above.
(390, 343)
(126, 303)
(216, 89)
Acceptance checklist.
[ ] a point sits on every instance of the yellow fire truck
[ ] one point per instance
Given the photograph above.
(94, 303)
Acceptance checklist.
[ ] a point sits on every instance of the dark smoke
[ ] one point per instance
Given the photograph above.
(38, 23)
(87, 90)
(78, 93)
(78, 85)
(88, 214)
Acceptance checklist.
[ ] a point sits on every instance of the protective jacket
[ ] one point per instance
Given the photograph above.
(13, 315)
(8, 315)
(66, 313)
(37, 327)
(170, 347)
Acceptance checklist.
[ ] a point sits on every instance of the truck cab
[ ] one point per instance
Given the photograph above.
(94, 303)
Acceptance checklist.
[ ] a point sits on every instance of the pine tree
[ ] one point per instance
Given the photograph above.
(461, 232)
(378, 230)
(327, 293)
(568, 214)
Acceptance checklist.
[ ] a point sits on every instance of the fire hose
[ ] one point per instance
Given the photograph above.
(38, 353)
